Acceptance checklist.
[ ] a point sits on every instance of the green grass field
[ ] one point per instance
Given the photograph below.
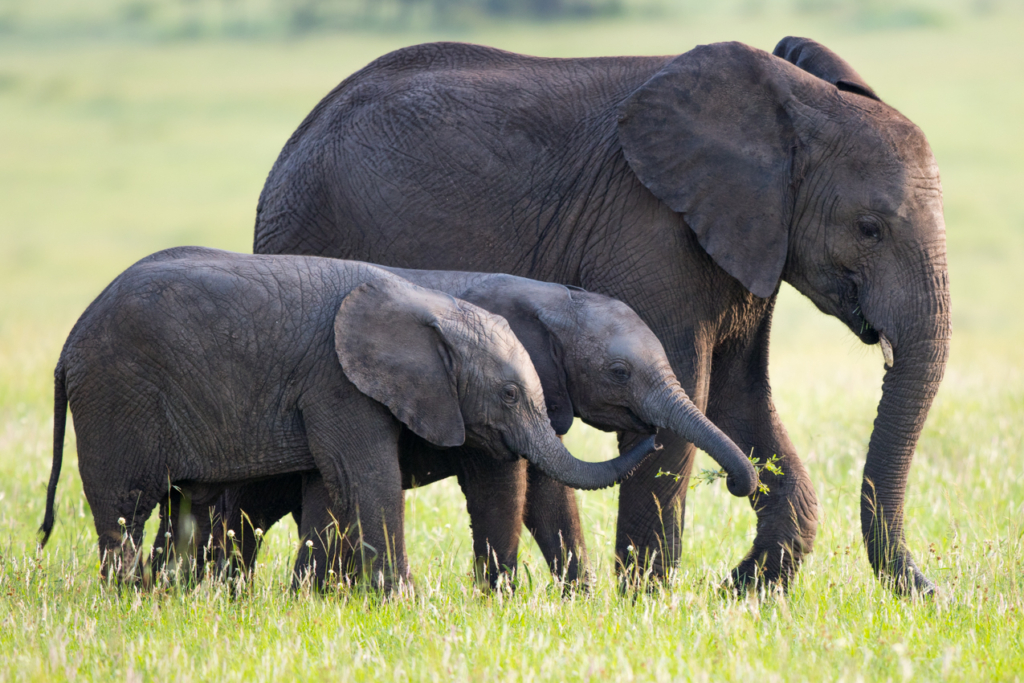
(109, 152)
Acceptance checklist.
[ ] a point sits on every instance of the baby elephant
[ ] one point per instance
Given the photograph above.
(197, 369)
(596, 360)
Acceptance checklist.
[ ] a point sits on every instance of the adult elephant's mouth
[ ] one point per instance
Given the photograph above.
(853, 315)
(867, 333)
(864, 330)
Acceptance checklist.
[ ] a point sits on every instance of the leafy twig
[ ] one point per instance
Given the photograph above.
(709, 476)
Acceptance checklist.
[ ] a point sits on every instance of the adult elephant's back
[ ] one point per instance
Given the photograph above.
(455, 156)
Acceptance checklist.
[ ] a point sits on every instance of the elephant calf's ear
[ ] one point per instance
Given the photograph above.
(710, 136)
(548, 359)
(388, 339)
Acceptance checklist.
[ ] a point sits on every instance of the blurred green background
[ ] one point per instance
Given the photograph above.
(128, 126)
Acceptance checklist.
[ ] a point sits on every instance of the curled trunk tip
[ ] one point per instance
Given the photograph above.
(686, 420)
(559, 464)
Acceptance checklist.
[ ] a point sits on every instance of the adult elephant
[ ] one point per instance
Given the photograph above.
(686, 186)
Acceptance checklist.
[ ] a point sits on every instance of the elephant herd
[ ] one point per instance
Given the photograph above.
(512, 242)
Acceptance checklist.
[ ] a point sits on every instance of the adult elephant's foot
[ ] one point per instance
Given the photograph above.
(766, 567)
(787, 523)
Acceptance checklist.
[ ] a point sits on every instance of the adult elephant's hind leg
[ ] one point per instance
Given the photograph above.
(553, 518)
(241, 515)
(178, 543)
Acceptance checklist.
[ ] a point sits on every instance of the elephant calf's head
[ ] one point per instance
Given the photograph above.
(454, 373)
(604, 363)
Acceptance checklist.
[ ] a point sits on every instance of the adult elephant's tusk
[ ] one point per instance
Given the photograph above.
(886, 350)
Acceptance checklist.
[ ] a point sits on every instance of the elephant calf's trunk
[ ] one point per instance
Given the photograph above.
(562, 466)
(686, 420)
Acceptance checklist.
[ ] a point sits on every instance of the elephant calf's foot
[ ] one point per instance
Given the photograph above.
(581, 585)
(490, 577)
(125, 567)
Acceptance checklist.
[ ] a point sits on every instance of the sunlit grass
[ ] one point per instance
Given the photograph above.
(110, 152)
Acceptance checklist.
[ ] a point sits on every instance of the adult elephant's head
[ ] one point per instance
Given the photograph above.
(452, 373)
(789, 167)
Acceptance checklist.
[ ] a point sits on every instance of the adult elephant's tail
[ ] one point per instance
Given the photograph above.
(60, 416)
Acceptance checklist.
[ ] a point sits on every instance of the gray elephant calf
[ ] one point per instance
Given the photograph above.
(196, 369)
(595, 358)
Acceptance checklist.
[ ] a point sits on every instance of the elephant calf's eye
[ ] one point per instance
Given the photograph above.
(510, 394)
(869, 227)
(619, 371)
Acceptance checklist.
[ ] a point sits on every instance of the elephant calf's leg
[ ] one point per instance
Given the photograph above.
(495, 493)
(120, 518)
(361, 492)
(553, 518)
(326, 543)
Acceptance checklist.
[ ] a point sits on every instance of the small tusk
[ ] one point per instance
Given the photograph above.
(886, 350)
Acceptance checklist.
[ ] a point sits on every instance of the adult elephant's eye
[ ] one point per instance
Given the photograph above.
(869, 227)
(619, 371)
(510, 394)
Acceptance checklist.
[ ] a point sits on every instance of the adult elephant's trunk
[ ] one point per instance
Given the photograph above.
(918, 355)
(557, 462)
(672, 409)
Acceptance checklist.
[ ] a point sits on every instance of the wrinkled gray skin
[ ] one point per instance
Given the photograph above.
(686, 186)
(596, 360)
(196, 369)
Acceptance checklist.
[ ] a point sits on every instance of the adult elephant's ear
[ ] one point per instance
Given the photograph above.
(709, 136)
(390, 338)
(815, 58)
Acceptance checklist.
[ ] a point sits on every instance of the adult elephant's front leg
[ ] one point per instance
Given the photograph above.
(787, 516)
(651, 510)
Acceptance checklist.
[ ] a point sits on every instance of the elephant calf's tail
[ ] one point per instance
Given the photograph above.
(60, 415)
